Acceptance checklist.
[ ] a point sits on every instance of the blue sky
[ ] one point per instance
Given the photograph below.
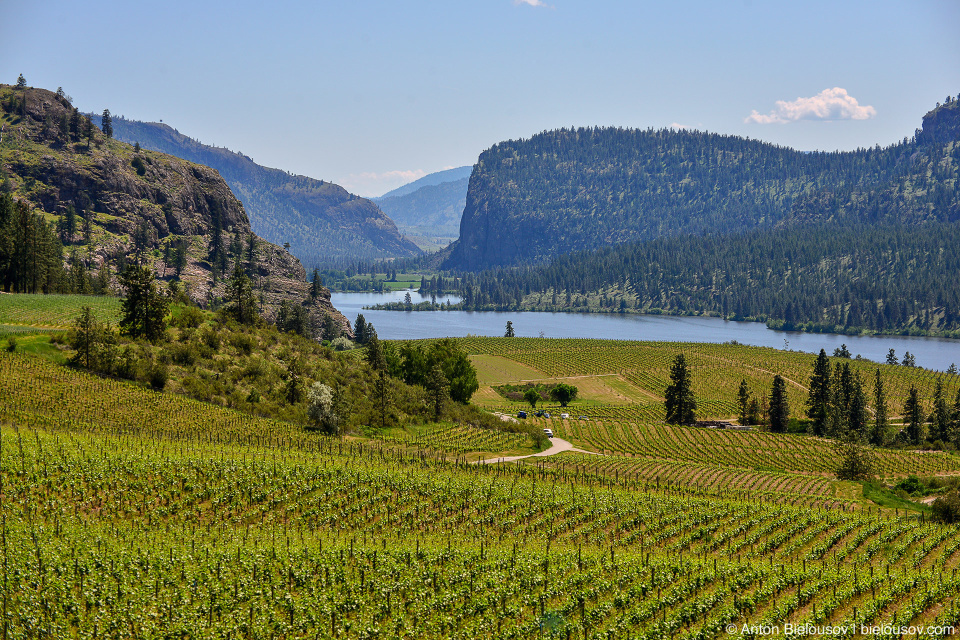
(373, 94)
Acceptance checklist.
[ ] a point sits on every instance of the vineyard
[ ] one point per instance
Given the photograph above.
(54, 311)
(132, 513)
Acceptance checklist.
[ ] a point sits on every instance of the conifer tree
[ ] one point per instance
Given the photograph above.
(106, 123)
(941, 415)
(678, 398)
(743, 402)
(143, 309)
(878, 435)
(779, 405)
(819, 400)
(913, 417)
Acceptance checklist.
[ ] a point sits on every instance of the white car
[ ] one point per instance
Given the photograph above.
(564, 416)
(548, 432)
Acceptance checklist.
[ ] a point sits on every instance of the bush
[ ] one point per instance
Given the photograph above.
(341, 344)
(947, 508)
(189, 318)
(158, 376)
(11, 344)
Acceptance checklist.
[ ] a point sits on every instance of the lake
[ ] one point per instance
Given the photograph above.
(932, 353)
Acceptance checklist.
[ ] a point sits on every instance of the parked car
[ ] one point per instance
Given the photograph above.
(521, 414)
(546, 415)
(583, 418)
(564, 416)
(548, 432)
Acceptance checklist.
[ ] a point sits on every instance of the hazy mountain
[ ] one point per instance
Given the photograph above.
(578, 189)
(320, 220)
(429, 180)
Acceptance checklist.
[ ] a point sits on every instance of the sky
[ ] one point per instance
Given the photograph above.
(372, 94)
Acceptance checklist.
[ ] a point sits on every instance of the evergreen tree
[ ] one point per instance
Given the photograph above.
(509, 331)
(243, 304)
(293, 390)
(360, 331)
(913, 417)
(942, 430)
(438, 388)
(86, 337)
(374, 354)
(143, 309)
(329, 327)
(106, 123)
(955, 419)
(21, 82)
(316, 284)
(743, 402)
(819, 401)
(858, 415)
(779, 406)
(878, 435)
(678, 398)
(892, 357)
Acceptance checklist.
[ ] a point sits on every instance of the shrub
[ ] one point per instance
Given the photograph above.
(341, 344)
(947, 508)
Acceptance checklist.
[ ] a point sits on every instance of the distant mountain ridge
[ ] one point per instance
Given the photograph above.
(571, 190)
(429, 180)
(320, 220)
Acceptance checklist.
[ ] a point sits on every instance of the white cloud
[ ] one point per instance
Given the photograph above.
(532, 3)
(677, 125)
(829, 104)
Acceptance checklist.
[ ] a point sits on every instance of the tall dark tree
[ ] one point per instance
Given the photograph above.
(21, 82)
(819, 401)
(374, 354)
(508, 333)
(360, 331)
(743, 403)
(892, 357)
(87, 336)
(878, 434)
(779, 405)
(913, 417)
(678, 399)
(106, 123)
(857, 412)
(942, 430)
(316, 284)
(438, 388)
(143, 309)
(243, 304)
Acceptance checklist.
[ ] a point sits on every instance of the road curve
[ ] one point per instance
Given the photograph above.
(557, 445)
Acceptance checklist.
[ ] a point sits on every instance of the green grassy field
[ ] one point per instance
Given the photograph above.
(132, 513)
(27, 311)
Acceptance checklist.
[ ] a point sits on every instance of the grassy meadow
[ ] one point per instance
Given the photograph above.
(129, 512)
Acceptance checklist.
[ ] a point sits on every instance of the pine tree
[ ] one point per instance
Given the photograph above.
(438, 387)
(743, 402)
(360, 331)
(106, 123)
(913, 417)
(142, 311)
(243, 304)
(878, 435)
(779, 406)
(941, 415)
(508, 333)
(678, 398)
(819, 400)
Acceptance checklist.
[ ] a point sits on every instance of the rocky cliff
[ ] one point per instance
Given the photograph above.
(134, 204)
(318, 219)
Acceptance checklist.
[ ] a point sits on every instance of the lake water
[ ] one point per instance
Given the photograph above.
(932, 353)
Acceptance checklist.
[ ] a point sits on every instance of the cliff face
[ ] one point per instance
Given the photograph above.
(320, 220)
(942, 125)
(134, 205)
(583, 189)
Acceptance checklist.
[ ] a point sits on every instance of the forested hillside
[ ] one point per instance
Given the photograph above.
(77, 207)
(320, 220)
(836, 278)
(432, 210)
(575, 189)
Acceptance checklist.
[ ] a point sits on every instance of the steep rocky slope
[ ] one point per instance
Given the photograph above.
(135, 205)
(320, 220)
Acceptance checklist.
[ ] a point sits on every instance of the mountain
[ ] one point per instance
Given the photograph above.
(320, 220)
(580, 189)
(429, 180)
(431, 211)
(100, 203)
(866, 240)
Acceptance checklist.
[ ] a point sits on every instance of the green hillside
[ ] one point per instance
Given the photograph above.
(579, 189)
(319, 219)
